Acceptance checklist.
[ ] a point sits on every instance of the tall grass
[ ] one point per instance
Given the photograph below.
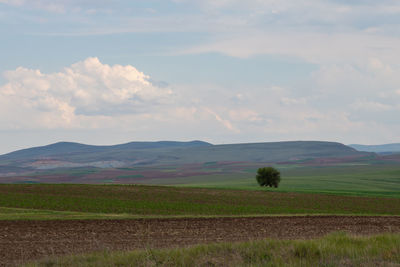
(336, 249)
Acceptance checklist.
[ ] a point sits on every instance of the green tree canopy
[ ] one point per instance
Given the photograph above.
(268, 176)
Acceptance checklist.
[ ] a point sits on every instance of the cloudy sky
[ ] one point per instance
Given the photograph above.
(223, 71)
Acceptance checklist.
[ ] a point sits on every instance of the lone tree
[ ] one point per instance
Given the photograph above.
(268, 176)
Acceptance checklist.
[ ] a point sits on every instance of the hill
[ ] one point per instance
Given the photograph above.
(269, 152)
(62, 150)
(72, 155)
(386, 148)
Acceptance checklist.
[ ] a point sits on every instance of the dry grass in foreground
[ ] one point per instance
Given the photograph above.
(338, 249)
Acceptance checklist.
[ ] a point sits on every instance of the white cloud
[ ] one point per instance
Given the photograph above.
(226, 123)
(54, 6)
(371, 106)
(87, 88)
(229, 17)
(13, 2)
(315, 47)
(244, 114)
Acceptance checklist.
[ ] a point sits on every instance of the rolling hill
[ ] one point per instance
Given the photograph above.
(71, 155)
(62, 150)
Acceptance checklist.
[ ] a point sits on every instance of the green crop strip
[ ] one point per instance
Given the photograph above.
(179, 201)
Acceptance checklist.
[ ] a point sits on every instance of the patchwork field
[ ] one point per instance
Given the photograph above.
(42, 220)
(343, 176)
(210, 202)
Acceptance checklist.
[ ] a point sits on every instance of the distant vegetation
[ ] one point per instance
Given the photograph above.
(268, 176)
(337, 249)
(173, 201)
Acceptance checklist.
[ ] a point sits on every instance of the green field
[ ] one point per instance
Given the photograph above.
(336, 249)
(360, 180)
(135, 201)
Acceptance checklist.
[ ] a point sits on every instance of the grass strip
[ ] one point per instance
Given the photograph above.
(12, 214)
(337, 249)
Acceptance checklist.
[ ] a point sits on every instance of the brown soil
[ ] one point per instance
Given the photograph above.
(22, 241)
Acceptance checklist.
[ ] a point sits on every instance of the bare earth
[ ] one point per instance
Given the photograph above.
(22, 241)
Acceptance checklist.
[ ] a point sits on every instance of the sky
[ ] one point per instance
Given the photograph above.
(222, 71)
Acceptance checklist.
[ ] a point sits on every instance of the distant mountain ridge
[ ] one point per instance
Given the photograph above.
(71, 147)
(72, 155)
(385, 148)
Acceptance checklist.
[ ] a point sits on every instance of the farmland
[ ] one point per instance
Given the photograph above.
(381, 178)
(62, 219)
(307, 167)
(181, 201)
(361, 180)
(154, 215)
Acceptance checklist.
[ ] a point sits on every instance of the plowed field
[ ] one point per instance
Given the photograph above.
(22, 241)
